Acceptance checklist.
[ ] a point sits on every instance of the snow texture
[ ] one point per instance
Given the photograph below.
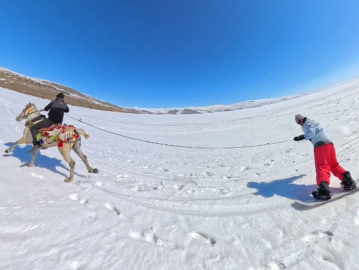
(153, 206)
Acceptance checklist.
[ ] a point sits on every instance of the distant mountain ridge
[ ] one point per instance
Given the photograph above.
(48, 90)
(223, 108)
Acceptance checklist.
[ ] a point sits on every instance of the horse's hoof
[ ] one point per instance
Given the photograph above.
(68, 180)
(27, 165)
(95, 171)
(7, 151)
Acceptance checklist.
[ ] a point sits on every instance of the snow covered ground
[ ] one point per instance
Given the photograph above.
(152, 206)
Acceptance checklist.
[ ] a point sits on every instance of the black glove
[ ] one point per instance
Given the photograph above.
(299, 138)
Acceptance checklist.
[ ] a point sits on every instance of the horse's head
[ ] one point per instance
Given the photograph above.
(29, 109)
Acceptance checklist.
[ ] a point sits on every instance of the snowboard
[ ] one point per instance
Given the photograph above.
(335, 196)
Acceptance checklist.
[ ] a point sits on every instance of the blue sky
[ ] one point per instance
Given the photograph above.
(162, 53)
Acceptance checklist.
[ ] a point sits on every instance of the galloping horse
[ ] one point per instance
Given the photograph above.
(64, 137)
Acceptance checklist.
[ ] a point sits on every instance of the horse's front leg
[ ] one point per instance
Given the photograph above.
(65, 152)
(20, 141)
(34, 155)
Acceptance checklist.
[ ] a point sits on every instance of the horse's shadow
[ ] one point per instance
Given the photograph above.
(42, 161)
(284, 188)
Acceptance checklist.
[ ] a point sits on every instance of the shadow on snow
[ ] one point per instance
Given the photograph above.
(284, 188)
(42, 161)
(287, 189)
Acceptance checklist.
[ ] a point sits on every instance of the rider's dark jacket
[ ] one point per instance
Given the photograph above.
(57, 109)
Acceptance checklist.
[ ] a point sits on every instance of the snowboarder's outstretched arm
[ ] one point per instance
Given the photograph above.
(299, 138)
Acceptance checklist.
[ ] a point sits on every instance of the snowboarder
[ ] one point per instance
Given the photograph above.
(325, 158)
(57, 109)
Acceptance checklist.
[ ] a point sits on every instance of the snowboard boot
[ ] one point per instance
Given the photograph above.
(323, 192)
(348, 183)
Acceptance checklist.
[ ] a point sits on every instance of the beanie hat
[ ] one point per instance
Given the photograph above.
(299, 117)
(60, 95)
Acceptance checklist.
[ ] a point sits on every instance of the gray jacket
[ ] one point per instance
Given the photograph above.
(314, 132)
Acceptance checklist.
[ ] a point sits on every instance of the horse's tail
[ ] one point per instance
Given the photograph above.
(82, 132)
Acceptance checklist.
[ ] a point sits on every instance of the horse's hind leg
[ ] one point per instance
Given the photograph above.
(25, 137)
(78, 151)
(65, 152)
(12, 147)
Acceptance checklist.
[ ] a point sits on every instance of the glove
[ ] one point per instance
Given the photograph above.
(299, 138)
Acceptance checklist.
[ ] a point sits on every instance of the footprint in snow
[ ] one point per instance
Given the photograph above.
(178, 186)
(244, 168)
(74, 197)
(112, 208)
(317, 235)
(275, 266)
(83, 200)
(147, 236)
(269, 162)
(37, 176)
(121, 176)
(77, 266)
(150, 237)
(203, 237)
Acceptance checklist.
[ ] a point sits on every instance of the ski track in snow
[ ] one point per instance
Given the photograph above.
(156, 207)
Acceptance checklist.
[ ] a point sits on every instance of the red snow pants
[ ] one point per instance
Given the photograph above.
(326, 162)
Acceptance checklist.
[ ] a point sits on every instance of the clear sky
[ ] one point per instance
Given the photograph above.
(181, 53)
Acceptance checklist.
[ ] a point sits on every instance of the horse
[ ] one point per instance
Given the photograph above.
(64, 137)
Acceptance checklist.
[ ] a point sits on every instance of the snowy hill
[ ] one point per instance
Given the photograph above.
(224, 200)
(48, 90)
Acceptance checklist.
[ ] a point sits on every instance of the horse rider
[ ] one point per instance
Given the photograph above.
(57, 109)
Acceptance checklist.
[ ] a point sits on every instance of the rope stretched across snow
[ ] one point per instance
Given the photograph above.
(180, 146)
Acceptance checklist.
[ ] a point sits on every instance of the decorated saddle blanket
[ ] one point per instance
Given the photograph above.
(57, 134)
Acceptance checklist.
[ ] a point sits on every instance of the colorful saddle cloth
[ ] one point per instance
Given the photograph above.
(57, 134)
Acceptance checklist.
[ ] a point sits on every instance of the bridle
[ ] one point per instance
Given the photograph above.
(26, 112)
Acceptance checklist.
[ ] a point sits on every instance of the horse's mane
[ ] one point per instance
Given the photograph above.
(32, 104)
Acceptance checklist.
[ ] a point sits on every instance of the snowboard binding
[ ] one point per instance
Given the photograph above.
(348, 183)
(323, 192)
